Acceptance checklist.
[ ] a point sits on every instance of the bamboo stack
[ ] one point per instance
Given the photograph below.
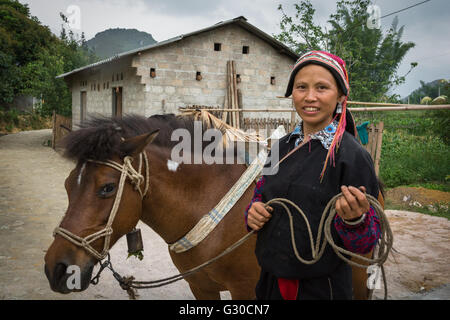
(231, 100)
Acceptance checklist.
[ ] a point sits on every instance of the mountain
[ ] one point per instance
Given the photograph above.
(113, 41)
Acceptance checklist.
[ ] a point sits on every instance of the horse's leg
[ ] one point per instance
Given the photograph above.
(359, 279)
(204, 294)
(203, 288)
(359, 275)
(242, 290)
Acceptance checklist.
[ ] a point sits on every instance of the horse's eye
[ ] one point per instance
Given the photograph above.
(107, 190)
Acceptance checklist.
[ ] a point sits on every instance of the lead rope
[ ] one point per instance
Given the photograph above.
(385, 244)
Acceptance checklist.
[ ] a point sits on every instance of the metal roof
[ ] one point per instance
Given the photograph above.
(241, 21)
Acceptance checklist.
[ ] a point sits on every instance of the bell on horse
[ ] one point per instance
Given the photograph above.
(134, 241)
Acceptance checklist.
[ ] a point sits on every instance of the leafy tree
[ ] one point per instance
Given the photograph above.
(31, 57)
(372, 57)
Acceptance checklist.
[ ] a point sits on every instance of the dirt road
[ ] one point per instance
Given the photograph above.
(33, 200)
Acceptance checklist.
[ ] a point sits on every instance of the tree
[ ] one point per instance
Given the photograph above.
(31, 57)
(372, 57)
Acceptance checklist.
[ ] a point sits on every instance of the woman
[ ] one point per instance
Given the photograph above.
(319, 159)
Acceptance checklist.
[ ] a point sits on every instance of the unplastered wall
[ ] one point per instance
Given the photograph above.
(176, 65)
(98, 84)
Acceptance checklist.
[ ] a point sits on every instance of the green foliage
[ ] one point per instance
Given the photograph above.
(408, 159)
(31, 57)
(11, 117)
(13, 121)
(372, 57)
(431, 90)
(414, 148)
(138, 254)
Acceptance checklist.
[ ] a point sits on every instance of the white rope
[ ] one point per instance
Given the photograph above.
(127, 170)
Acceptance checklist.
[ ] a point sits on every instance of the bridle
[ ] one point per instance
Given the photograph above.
(127, 171)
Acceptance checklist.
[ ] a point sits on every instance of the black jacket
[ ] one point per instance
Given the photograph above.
(298, 179)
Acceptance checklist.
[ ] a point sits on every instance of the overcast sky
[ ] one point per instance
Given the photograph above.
(427, 25)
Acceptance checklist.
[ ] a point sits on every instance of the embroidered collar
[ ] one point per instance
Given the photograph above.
(325, 136)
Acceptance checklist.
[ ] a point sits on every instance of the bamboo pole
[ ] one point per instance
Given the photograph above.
(378, 150)
(235, 96)
(400, 107)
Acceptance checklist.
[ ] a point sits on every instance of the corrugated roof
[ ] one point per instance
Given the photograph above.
(242, 21)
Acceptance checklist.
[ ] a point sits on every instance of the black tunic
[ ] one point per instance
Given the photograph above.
(298, 179)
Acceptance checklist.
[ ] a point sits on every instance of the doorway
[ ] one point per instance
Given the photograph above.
(83, 107)
(117, 102)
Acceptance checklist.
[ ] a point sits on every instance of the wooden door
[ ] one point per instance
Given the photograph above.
(83, 106)
(117, 102)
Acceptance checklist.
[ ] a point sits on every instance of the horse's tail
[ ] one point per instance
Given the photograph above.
(381, 187)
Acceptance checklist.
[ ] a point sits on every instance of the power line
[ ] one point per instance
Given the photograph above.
(404, 9)
(387, 15)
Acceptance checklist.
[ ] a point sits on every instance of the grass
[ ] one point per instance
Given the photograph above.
(432, 186)
(440, 210)
(415, 153)
(412, 159)
(415, 147)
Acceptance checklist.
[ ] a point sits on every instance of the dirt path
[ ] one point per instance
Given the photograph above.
(33, 200)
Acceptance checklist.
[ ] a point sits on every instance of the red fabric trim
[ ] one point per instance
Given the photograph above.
(288, 288)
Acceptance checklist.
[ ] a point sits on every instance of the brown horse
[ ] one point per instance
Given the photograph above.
(175, 201)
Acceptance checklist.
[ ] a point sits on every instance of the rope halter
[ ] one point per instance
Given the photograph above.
(127, 171)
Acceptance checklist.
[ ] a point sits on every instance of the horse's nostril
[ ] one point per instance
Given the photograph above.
(60, 270)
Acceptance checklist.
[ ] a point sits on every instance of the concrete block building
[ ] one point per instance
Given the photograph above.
(190, 69)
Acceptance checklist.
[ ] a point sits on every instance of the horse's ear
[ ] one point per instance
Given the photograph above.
(133, 146)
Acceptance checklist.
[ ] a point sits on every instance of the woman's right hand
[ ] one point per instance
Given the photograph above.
(258, 215)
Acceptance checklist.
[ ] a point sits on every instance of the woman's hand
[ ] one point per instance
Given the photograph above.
(353, 204)
(258, 215)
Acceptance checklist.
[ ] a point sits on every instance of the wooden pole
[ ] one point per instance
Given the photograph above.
(54, 130)
(378, 150)
(399, 108)
(234, 92)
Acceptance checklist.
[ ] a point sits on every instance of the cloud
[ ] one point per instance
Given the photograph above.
(425, 25)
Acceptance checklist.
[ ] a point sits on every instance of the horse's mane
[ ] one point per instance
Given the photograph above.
(99, 138)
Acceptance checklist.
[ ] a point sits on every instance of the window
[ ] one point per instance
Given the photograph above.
(217, 46)
(117, 77)
(238, 78)
(198, 76)
(121, 76)
(245, 49)
(272, 80)
(152, 72)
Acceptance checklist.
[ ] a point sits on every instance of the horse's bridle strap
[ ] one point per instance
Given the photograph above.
(127, 170)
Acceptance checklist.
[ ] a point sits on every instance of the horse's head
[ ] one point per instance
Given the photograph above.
(105, 202)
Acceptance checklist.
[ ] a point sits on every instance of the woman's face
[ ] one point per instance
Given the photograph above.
(315, 95)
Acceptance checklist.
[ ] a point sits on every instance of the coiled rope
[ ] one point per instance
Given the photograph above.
(318, 248)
